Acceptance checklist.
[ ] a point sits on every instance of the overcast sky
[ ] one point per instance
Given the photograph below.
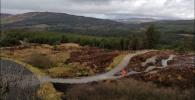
(106, 8)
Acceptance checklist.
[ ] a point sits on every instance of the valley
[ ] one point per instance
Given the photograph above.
(69, 57)
(72, 64)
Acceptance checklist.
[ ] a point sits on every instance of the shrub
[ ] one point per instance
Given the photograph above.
(193, 42)
(79, 69)
(48, 92)
(40, 60)
(182, 46)
(9, 41)
(126, 90)
(59, 72)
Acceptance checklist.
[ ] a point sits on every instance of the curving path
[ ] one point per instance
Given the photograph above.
(105, 76)
(112, 74)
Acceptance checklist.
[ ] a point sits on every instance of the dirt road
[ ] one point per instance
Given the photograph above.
(112, 74)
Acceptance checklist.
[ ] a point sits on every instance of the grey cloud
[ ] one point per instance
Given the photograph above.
(106, 8)
(90, 1)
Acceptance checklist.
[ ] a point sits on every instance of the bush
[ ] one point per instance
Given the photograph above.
(48, 92)
(181, 49)
(193, 42)
(182, 46)
(9, 41)
(79, 69)
(60, 72)
(126, 90)
(40, 60)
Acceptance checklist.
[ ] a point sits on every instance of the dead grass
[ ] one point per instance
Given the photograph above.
(59, 72)
(69, 46)
(116, 61)
(47, 57)
(33, 69)
(127, 90)
(70, 70)
(48, 92)
(78, 69)
(58, 57)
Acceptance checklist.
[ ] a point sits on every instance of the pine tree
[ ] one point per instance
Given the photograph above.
(64, 39)
(193, 42)
(152, 37)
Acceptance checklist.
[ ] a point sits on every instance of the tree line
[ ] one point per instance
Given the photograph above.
(145, 39)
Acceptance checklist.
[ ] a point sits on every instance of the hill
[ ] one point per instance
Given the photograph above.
(3, 15)
(135, 20)
(174, 26)
(61, 22)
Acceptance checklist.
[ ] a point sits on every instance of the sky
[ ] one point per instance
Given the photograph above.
(106, 9)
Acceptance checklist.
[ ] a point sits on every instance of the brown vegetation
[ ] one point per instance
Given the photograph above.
(136, 62)
(40, 60)
(48, 92)
(96, 59)
(179, 72)
(80, 61)
(126, 89)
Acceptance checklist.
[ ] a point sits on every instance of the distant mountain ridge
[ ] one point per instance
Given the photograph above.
(59, 19)
(63, 22)
(3, 15)
(135, 20)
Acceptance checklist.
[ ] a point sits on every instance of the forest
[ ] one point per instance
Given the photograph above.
(150, 38)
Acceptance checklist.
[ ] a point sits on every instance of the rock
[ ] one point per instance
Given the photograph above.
(179, 77)
(17, 82)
